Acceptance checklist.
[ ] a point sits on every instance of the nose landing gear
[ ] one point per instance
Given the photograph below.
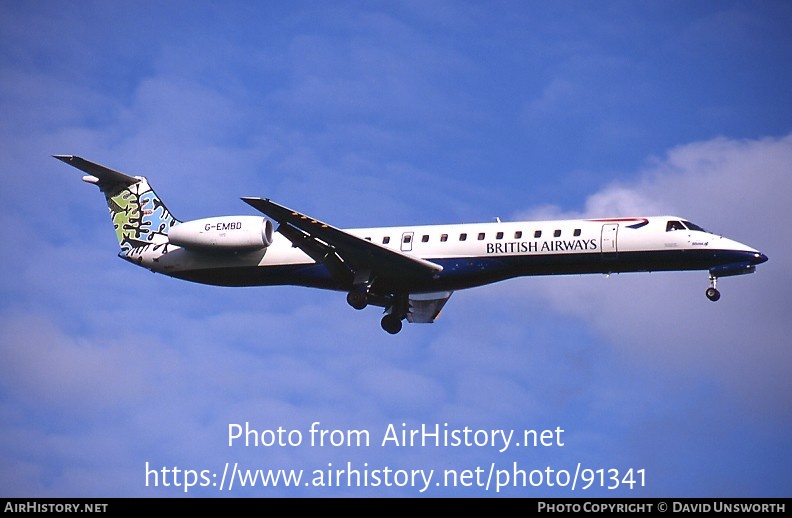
(712, 292)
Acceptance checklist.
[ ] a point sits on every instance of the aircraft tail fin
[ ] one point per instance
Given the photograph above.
(138, 214)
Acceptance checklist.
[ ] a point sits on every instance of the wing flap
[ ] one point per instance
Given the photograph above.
(426, 307)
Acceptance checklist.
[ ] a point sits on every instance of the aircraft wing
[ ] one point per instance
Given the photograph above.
(425, 307)
(339, 249)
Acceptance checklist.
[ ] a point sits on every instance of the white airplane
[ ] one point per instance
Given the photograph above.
(410, 271)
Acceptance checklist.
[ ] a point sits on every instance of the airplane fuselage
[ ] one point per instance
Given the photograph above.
(473, 254)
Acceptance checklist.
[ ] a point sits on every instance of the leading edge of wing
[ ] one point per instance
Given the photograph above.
(360, 254)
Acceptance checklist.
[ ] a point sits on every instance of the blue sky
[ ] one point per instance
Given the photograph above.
(395, 113)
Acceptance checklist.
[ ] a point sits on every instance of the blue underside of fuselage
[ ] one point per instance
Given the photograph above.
(460, 273)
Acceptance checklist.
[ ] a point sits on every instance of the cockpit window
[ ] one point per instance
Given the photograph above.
(682, 225)
(674, 225)
(693, 226)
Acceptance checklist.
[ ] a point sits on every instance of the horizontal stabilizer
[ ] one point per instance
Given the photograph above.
(102, 176)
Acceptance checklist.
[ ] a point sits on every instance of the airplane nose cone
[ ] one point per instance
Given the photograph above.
(759, 258)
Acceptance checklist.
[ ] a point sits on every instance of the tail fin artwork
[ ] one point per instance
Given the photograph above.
(139, 216)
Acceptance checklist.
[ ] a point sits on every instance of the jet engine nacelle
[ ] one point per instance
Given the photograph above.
(229, 233)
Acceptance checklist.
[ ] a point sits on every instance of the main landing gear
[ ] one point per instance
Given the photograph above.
(396, 306)
(712, 292)
(391, 323)
(395, 313)
(358, 298)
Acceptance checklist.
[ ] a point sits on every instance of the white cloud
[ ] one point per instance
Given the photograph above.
(739, 188)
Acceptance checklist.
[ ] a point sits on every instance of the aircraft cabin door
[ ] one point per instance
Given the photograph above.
(406, 242)
(608, 244)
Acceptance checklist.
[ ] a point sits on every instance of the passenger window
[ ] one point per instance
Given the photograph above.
(577, 232)
(444, 238)
(499, 235)
(407, 238)
(462, 237)
(537, 234)
(425, 238)
(481, 236)
(557, 233)
(386, 240)
(518, 234)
